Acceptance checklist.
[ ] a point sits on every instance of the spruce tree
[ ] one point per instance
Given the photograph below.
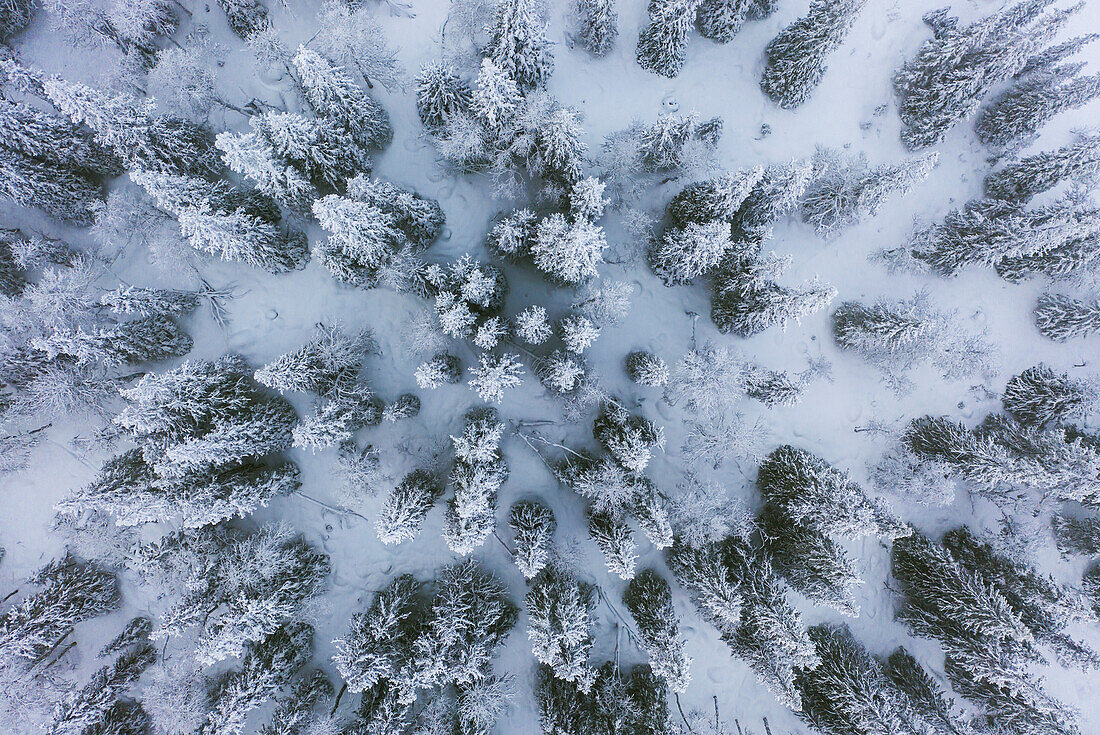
(560, 624)
(15, 15)
(645, 368)
(496, 99)
(1039, 396)
(294, 713)
(441, 95)
(1076, 536)
(568, 251)
(245, 17)
(615, 540)
(684, 253)
(1061, 317)
(714, 199)
(720, 20)
(1014, 117)
(332, 93)
(796, 57)
(62, 194)
(378, 641)
(39, 135)
(955, 69)
(629, 438)
(149, 339)
(661, 44)
(404, 511)
(533, 525)
(618, 702)
(1021, 180)
(925, 695)
(711, 572)
(599, 26)
(749, 309)
(90, 710)
(478, 473)
(649, 599)
(773, 196)
(1069, 262)
(519, 46)
(442, 369)
(148, 302)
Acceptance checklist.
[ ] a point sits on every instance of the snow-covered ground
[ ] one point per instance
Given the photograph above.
(270, 315)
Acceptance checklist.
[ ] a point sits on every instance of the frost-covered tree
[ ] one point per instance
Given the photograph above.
(324, 365)
(1039, 396)
(293, 714)
(218, 220)
(478, 473)
(683, 253)
(1061, 317)
(441, 370)
(774, 195)
(441, 95)
(988, 231)
(518, 44)
(549, 141)
(245, 17)
(62, 194)
(671, 142)
(268, 665)
(810, 561)
(496, 99)
(618, 701)
(419, 218)
(352, 37)
(568, 250)
(142, 340)
(148, 302)
(1014, 117)
(796, 58)
(720, 20)
(578, 333)
(661, 44)
(1073, 261)
(609, 486)
(254, 584)
(560, 624)
(96, 706)
(615, 540)
(532, 325)
(649, 599)
(70, 592)
(50, 138)
(629, 438)
(378, 641)
(1019, 181)
(809, 491)
(129, 128)
(895, 336)
(533, 524)
(849, 692)
(844, 192)
(332, 93)
(513, 235)
(494, 375)
(645, 368)
(1080, 536)
(714, 199)
(403, 513)
(468, 299)
(955, 69)
(562, 372)
(707, 381)
(926, 696)
(751, 307)
(15, 15)
(598, 26)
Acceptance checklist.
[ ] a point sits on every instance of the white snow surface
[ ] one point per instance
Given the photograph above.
(274, 314)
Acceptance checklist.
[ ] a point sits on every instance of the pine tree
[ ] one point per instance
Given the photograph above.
(519, 46)
(752, 308)
(148, 302)
(773, 196)
(925, 695)
(1032, 175)
(615, 539)
(62, 194)
(419, 218)
(496, 99)
(844, 193)
(712, 572)
(404, 511)
(599, 26)
(649, 599)
(149, 339)
(1061, 317)
(378, 641)
(268, 665)
(1071, 261)
(987, 231)
(796, 57)
(848, 692)
(49, 138)
(1039, 396)
(533, 525)
(616, 703)
(293, 715)
(512, 236)
(441, 95)
(684, 253)
(442, 369)
(568, 252)
(954, 70)
(810, 561)
(1080, 536)
(1014, 117)
(720, 20)
(333, 94)
(494, 375)
(15, 15)
(661, 43)
(645, 368)
(71, 592)
(560, 624)
(714, 199)
(532, 325)
(809, 491)
(89, 710)
(142, 140)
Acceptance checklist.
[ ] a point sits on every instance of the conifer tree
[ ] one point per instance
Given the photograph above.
(333, 94)
(15, 15)
(925, 694)
(615, 539)
(419, 218)
(50, 138)
(720, 20)
(649, 599)
(442, 369)
(478, 473)
(645, 368)
(796, 57)
(494, 375)
(714, 199)
(64, 195)
(844, 193)
(1021, 180)
(955, 69)
(496, 99)
(245, 16)
(1015, 116)
(267, 666)
(773, 196)
(1080, 536)
(441, 95)
(533, 525)
(848, 692)
(142, 140)
(378, 641)
(1061, 317)
(293, 715)
(519, 46)
(560, 624)
(684, 253)
(1039, 396)
(617, 702)
(661, 45)
(568, 251)
(148, 339)
(711, 572)
(599, 26)
(404, 511)
(91, 709)
(148, 302)
(751, 308)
